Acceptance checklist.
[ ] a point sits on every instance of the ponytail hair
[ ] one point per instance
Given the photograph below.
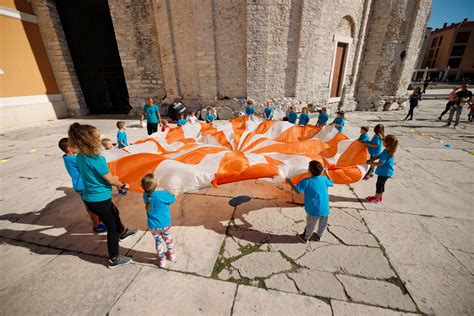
(379, 129)
(148, 185)
(84, 138)
(391, 143)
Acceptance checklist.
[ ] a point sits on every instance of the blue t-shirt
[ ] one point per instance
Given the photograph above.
(181, 122)
(121, 138)
(316, 197)
(151, 113)
(374, 151)
(249, 110)
(322, 119)
(91, 169)
(210, 117)
(387, 168)
(364, 138)
(159, 213)
(339, 121)
(292, 116)
(304, 119)
(268, 113)
(71, 167)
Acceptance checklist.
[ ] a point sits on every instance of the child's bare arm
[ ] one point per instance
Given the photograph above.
(292, 186)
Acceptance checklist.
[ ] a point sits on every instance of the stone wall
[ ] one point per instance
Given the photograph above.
(59, 56)
(137, 40)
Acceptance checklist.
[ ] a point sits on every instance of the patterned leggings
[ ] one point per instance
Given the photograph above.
(161, 234)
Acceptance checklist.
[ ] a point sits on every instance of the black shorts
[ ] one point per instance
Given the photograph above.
(151, 128)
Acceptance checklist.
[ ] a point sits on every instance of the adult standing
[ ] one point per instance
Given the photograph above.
(425, 84)
(152, 114)
(464, 96)
(451, 101)
(415, 97)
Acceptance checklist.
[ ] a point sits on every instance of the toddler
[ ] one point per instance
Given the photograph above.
(159, 219)
(363, 134)
(304, 117)
(121, 135)
(292, 115)
(339, 121)
(375, 146)
(70, 163)
(249, 110)
(164, 125)
(268, 112)
(181, 120)
(323, 117)
(385, 167)
(107, 143)
(192, 117)
(316, 200)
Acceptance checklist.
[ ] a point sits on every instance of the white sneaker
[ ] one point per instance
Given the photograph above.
(455, 127)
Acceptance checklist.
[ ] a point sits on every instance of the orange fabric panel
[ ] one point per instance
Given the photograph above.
(238, 125)
(264, 127)
(355, 154)
(306, 148)
(131, 169)
(298, 133)
(332, 145)
(195, 156)
(175, 134)
(345, 175)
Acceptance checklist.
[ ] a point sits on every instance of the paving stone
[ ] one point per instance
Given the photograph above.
(349, 218)
(353, 237)
(318, 283)
(352, 309)
(21, 260)
(376, 292)
(356, 260)
(292, 250)
(261, 264)
(84, 282)
(255, 301)
(343, 196)
(185, 295)
(466, 259)
(232, 248)
(281, 282)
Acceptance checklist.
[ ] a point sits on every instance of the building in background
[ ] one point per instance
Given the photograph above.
(100, 56)
(424, 47)
(450, 54)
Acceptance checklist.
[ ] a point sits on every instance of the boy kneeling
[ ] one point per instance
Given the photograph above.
(316, 200)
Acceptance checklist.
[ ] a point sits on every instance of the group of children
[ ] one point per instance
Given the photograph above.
(92, 180)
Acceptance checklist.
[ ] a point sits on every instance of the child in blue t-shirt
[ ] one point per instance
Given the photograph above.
(268, 112)
(181, 120)
(363, 134)
(339, 121)
(316, 200)
(98, 182)
(121, 135)
(323, 117)
(304, 117)
(159, 219)
(292, 115)
(210, 117)
(70, 163)
(375, 146)
(249, 110)
(385, 167)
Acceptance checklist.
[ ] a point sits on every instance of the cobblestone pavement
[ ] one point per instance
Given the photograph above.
(412, 254)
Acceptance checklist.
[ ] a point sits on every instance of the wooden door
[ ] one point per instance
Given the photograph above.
(338, 69)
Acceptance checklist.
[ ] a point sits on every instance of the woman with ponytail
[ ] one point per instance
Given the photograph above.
(157, 204)
(98, 182)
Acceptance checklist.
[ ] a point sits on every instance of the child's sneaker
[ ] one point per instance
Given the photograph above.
(303, 238)
(119, 261)
(171, 256)
(162, 262)
(370, 199)
(315, 237)
(100, 228)
(374, 199)
(127, 233)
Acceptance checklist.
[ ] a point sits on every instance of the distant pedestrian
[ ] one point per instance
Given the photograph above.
(414, 99)
(157, 204)
(385, 167)
(316, 200)
(425, 84)
(151, 112)
(451, 101)
(464, 96)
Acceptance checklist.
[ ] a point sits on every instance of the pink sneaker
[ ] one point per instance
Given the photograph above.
(370, 198)
(171, 256)
(162, 262)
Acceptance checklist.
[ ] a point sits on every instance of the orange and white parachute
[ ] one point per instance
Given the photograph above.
(198, 155)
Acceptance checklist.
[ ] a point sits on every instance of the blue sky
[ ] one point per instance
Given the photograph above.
(450, 11)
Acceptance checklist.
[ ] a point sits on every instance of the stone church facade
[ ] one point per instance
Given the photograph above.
(346, 54)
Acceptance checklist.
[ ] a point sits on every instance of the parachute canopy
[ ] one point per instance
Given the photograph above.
(198, 155)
